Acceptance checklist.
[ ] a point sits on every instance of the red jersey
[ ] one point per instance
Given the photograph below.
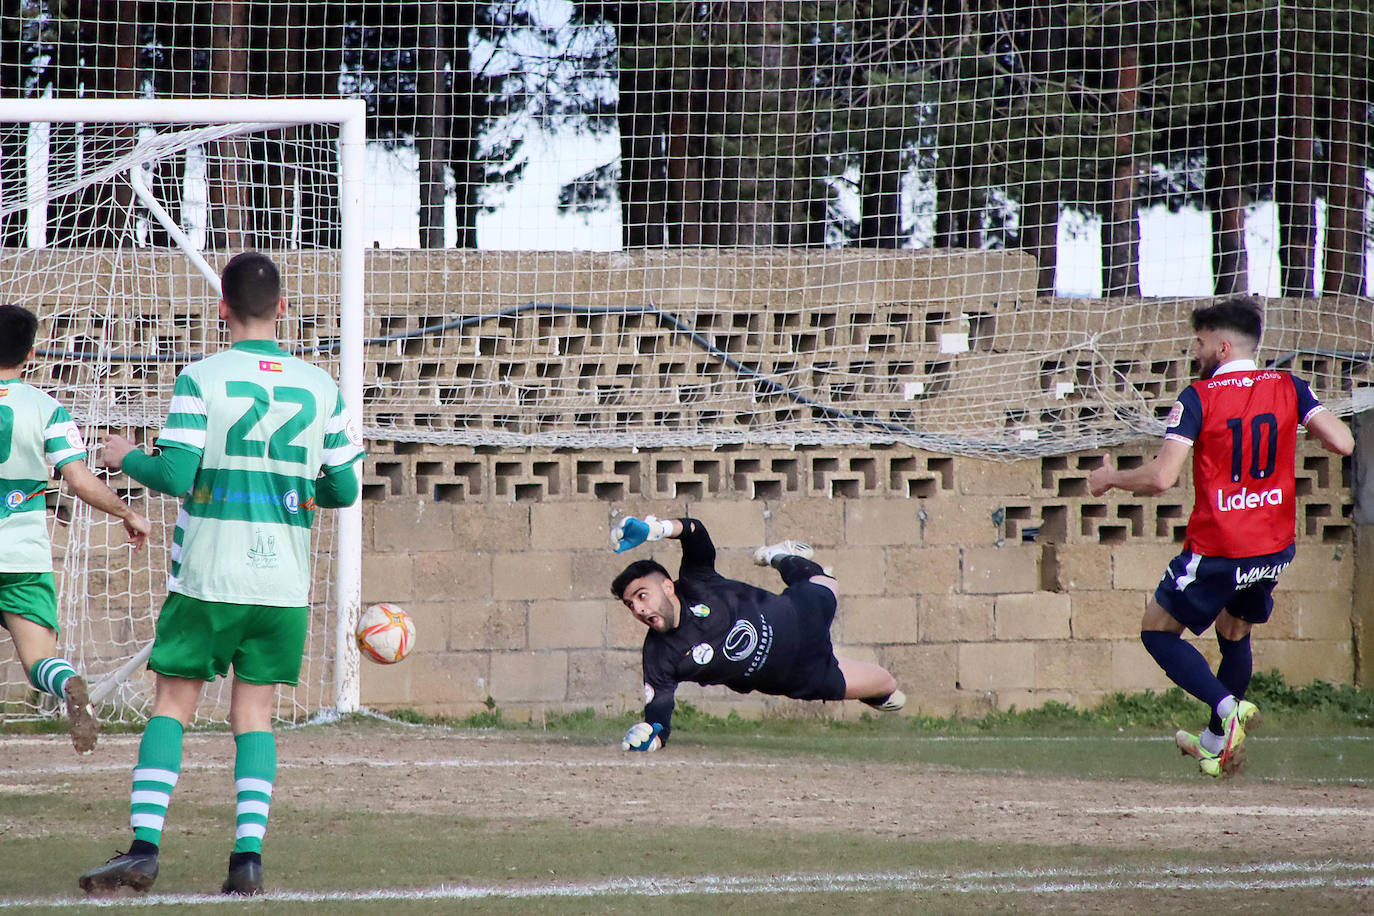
(1243, 426)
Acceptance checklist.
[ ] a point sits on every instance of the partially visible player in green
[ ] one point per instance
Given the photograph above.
(37, 433)
(255, 441)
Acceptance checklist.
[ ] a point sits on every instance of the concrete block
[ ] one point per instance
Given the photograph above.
(593, 572)
(1320, 567)
(434, 683)
(1084, 566)
(447, 575)
(1301, 663)
(731, 523)
(433, 624)
(1139, 566)
(998, 479)
(622, 630)
(819, 522)
(404, 523)
(567, 624)
(387, 577)
(870, 522)
(1000, 570)
(1106, 615)
(869, 619)
(491, 528)
(996, 666)
(488, 625)
(1134, 670)
(531, 575)
(569, 526)
(609, 681)
(956, 618)
(923, 671)
(958, 521)
(914, 570)
(1320, 615)
(523, 677)
(860, 570)
(1073, 666)
(1032, 615)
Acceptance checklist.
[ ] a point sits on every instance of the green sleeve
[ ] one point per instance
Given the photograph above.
(338, 487)
(171, 471)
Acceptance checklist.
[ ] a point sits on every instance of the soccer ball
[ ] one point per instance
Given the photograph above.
(385, 633)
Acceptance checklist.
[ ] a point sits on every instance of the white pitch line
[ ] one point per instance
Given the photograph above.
(1256, 877)
(1241, 810)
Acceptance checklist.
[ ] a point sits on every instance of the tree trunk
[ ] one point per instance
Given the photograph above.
(1121, 260)
(1040, 232)
(466, 117)
(1345, 197)
(231, 224)
(1230, 261)
(686, 144)
(643, 153)
(433, 120)
(1297, 219)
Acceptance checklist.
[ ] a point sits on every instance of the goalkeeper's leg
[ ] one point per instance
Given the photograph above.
(872, 684)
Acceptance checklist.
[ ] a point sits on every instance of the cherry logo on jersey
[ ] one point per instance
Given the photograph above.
(267, 365)
(1248, 500)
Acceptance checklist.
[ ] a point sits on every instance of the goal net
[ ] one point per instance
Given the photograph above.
(126, 295)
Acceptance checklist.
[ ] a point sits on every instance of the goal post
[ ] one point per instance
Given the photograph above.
(111, 214)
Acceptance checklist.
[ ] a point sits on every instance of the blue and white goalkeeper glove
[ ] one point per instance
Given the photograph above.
(642, 737)
(631, 532)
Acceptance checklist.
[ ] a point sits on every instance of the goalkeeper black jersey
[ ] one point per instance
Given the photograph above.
(730, 633)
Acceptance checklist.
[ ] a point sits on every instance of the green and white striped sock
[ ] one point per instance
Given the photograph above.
(159, 766)
(50, 675)
(255, 769)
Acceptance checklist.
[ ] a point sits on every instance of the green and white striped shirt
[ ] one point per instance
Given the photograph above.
(36, 433)
(264, 425)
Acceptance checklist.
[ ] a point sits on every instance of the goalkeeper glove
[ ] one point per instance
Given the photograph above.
(642, 737)
(631, 532)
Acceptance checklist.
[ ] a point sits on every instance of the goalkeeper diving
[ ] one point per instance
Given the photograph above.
(707, 629)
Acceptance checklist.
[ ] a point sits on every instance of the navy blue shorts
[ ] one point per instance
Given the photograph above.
(816, 674)
(1196, 589)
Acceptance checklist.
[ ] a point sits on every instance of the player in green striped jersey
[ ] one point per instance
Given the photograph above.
(37, 433)
(254, 442)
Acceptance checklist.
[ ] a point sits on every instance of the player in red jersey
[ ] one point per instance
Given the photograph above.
(1240, 422)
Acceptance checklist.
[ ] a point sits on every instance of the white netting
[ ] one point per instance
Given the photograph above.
(121, 311)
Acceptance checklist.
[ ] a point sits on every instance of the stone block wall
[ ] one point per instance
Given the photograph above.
(980, 584)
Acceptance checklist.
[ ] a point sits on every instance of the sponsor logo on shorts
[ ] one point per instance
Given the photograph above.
(268, 365)
(700, 610)
(1246, 499)
(702, 653)
(15, 498)
(1259, 573)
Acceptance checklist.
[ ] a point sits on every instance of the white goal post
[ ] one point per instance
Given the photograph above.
(87, 238)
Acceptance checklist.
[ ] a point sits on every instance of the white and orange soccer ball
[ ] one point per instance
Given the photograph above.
(385, 633)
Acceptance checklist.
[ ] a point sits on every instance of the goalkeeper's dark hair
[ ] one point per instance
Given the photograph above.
(632, 572)
(18, 329)
(251, 286)
(1243, 315)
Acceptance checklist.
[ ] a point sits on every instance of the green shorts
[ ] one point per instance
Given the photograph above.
(199, 640)
(31, 595)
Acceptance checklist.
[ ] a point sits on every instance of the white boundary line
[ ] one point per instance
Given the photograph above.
(1265, 876)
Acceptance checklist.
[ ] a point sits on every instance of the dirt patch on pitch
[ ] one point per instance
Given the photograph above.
(509, 777)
